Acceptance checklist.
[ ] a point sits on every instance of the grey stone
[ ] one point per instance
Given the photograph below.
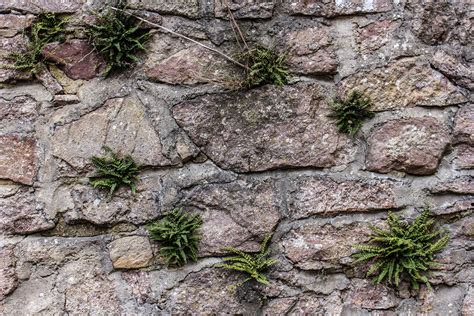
(241, 132)
(310, 196)
(406, 82)
(412, 145)
(130, 252)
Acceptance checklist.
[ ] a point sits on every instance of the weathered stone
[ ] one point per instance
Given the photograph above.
(13, 24)
(367, 295)
(130, 252)
(411, 145)
(311, 51)
(48, 81)
(443, 301)
(188, 8)
(464, 125)
(39, 6)
(334, 7)
(247, 9)
(460, 185)
(454, 68)
(18, 159)
(208, 292)
(315, 282)
(189, 66)
(436, 22)
(236, 214)
(318, 245)
(63, 99)
(7, 71)
(468, 303)
(375, 35)
(92, 205)
(279, 306)
(120, 124)
(18, 115)
(8, 278)
(311, 304)
(70, 86)
(243, 133)
(61, 275)
(406, 82)
(457, 207)
(464, 156)
(321, 195)
(20, 213)
(78, 58)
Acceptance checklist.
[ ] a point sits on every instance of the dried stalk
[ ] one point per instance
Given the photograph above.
(184, 37)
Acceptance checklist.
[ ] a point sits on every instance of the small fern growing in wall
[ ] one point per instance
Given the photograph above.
(47, 28)
(265, 66)
(177, 232)
(405, 250)
(114, 172)
(349, 114)
(253, 266)
(118, 37)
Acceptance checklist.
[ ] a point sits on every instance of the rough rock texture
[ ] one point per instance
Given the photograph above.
(251, 162)
(334, 8)
(130, 252)
(311, 51)
(294, 132)
(321, 196)
(79, 59)
(405, 83)
(413, 145)
(18, 158)
(319, 245)
(235, 214)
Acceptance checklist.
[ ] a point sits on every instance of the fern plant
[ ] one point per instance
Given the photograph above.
(350, 113)
(264, 66)
(177, 232)
(47, 28)
(253, 265)
(114, 172)
(118, 37)
(404, 250)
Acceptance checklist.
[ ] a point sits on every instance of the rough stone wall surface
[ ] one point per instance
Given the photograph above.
(255, 162)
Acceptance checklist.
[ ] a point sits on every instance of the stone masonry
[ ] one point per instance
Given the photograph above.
(252, 162)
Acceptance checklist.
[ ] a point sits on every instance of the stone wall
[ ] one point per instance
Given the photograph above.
(250, 162)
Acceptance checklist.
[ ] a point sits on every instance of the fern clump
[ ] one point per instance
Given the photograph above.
(253, 265)
(118, 37)
(114, 172)
(265, 66)
(177, 232)
(47, 28)
(350, 113)
(404, 250)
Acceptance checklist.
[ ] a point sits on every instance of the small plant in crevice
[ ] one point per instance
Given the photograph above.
(265, 66)
(349, 114)
(404, 250)
(118, 37)
(177, 232)
(252, 265)
(114, 172)
(47, 28)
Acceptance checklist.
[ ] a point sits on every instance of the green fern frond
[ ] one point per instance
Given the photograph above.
(118, 37)
(350, 113)
(265, 66)
(177, 232)
(253, 265)
(114, 172)
(47, 28)
(403, 250)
